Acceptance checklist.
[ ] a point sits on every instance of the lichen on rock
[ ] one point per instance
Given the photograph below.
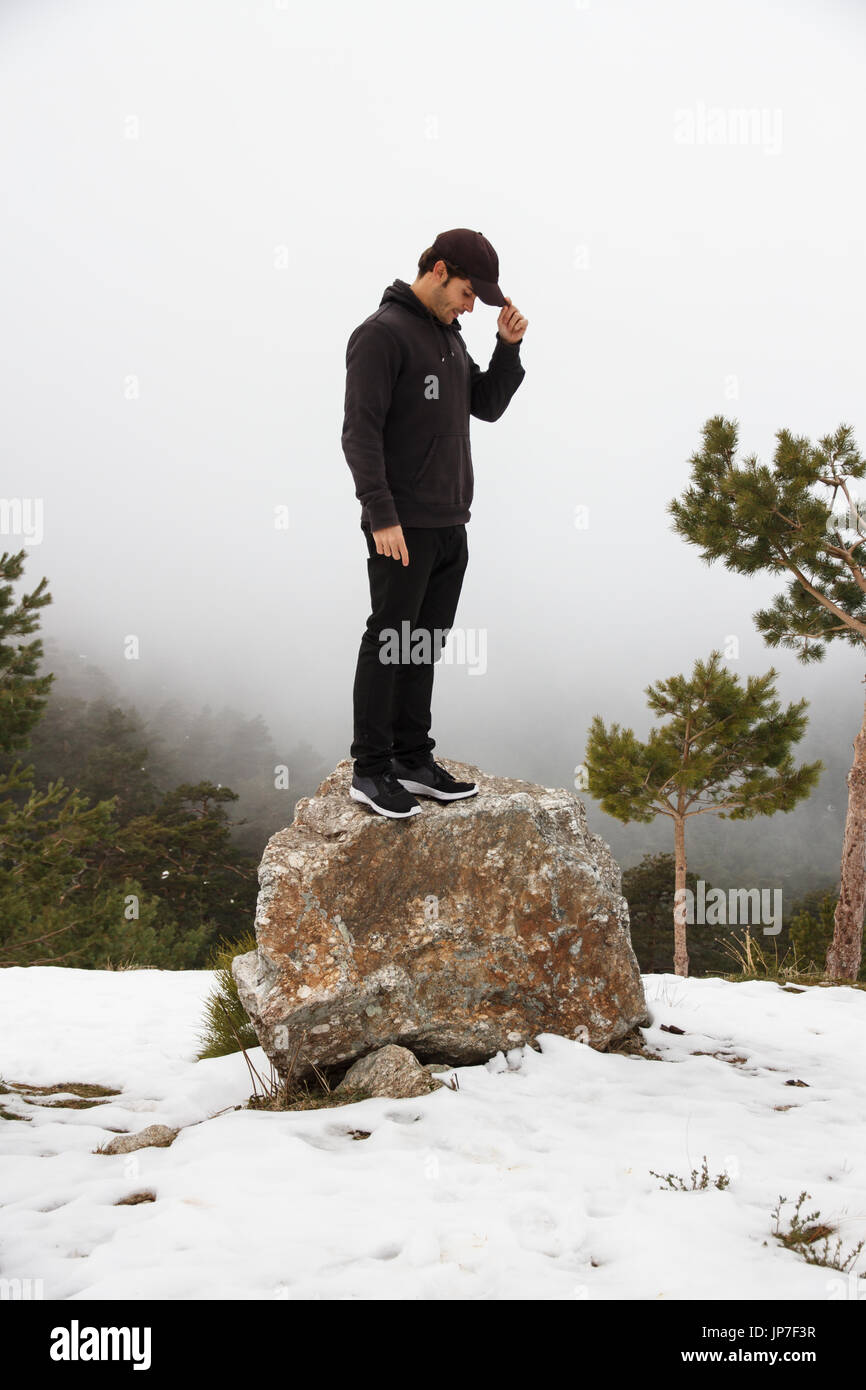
(457, 933)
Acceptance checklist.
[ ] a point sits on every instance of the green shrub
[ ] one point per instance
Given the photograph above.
(226, 1027)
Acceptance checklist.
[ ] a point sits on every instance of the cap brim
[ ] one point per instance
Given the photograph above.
(488, 292)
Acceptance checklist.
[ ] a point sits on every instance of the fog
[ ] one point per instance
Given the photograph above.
(202, 199)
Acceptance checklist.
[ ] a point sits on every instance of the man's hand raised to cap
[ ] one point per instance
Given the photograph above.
(391, 541)
(511, 325)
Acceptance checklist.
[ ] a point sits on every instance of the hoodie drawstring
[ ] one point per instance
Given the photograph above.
(438, 326)
(401, 292)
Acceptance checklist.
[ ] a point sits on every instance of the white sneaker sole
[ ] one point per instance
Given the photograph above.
(357, 795)
(420, 789)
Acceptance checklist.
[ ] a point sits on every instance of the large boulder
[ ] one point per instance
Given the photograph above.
(457, 933)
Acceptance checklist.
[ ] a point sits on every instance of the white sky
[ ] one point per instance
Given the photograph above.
(664, 282)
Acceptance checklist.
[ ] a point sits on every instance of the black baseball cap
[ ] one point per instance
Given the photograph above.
(474, 254)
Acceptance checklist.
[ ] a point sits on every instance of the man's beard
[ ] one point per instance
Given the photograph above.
(444, 311)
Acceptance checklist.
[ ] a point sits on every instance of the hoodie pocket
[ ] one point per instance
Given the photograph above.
(445, 476)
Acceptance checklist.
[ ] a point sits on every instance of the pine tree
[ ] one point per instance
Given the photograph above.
(812, 928)
(47, 837)
(724, 750)
(183, 852)
(22, 693)
(753, 518)
(98, 748)
(137, 876)
(648, 888)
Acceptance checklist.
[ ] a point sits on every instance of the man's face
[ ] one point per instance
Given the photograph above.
(453, 298)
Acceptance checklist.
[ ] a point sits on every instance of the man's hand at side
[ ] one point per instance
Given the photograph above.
(391, 541)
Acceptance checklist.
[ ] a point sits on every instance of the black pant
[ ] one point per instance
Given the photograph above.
(392, 698)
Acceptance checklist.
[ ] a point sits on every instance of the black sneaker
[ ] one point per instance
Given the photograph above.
(431, 779)
(384, 794)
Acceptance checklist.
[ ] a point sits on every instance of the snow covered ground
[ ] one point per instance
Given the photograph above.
(532, 1181)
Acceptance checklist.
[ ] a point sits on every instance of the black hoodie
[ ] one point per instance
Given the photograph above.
(411, 387)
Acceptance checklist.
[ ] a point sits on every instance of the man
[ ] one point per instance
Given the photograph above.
(411, 387)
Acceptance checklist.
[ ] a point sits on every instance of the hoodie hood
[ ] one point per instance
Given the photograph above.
(400, 292)
(411, 387)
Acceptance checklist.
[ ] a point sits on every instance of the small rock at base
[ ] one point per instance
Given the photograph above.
(155, 1136)
(390, 1071)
